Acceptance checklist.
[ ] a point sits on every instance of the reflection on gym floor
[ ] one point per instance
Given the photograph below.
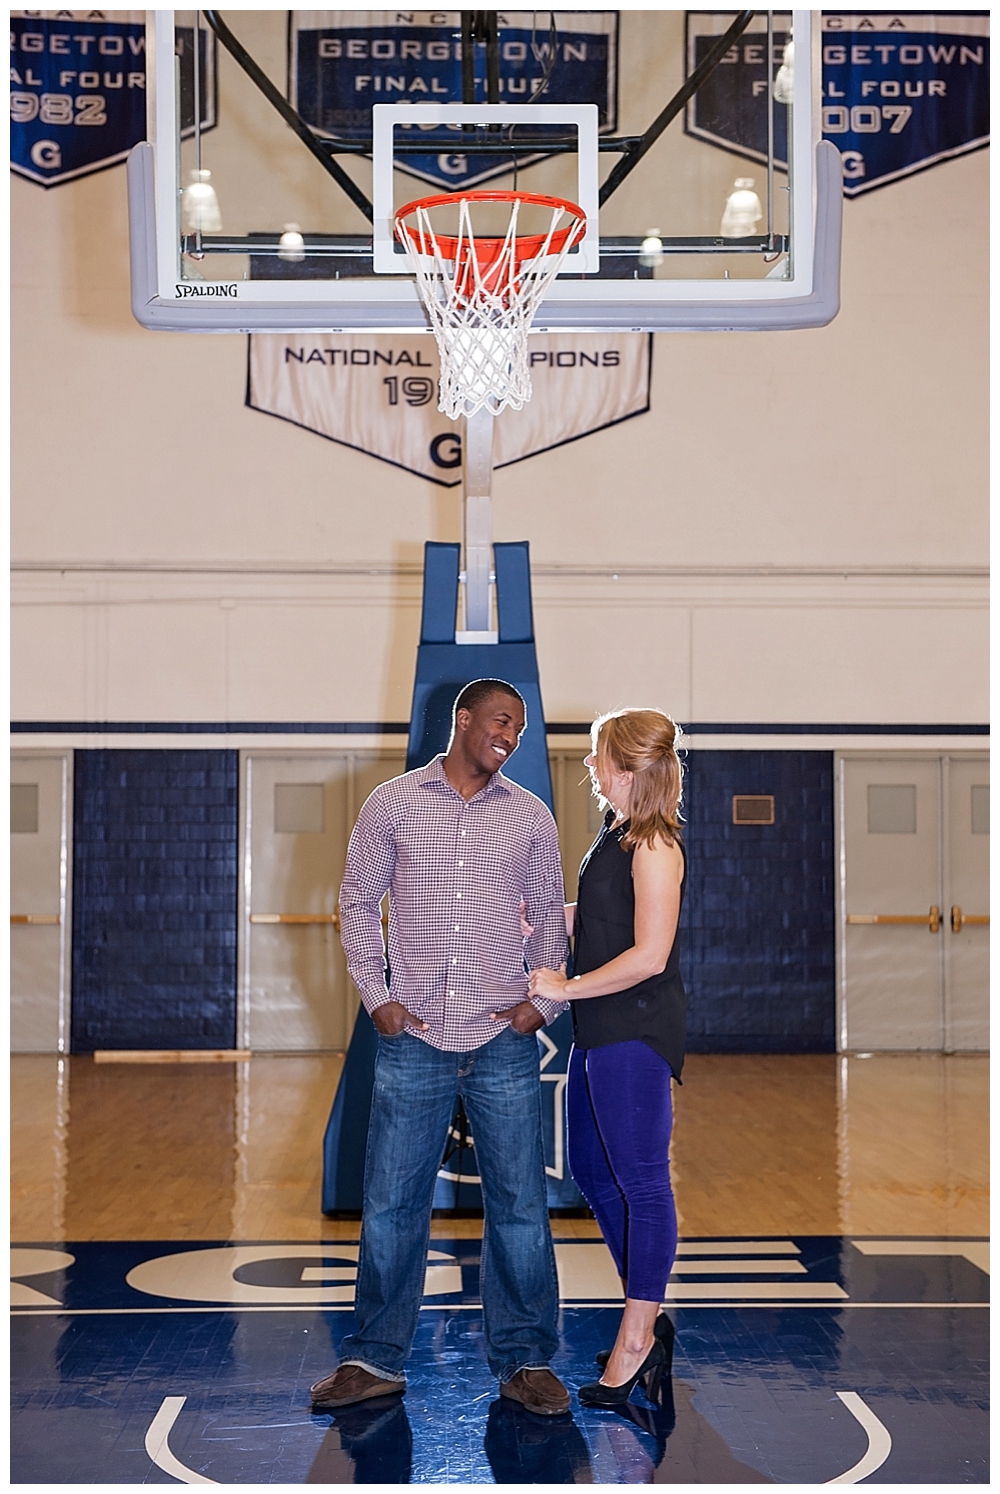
(374, 1444)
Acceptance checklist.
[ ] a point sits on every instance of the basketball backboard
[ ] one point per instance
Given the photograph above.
(306, 97)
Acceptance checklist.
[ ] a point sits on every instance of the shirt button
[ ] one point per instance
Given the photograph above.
(451, 993)
(458, 894)
(463, 832)
(461, 863)
(454, 958)
(456, 928)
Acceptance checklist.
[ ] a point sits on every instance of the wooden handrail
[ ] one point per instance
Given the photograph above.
(325, 918)
(328, 918)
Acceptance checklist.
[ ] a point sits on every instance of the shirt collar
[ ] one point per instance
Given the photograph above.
(435, 775)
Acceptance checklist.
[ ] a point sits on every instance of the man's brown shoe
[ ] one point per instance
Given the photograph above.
(350, 1383)
(538, 1390)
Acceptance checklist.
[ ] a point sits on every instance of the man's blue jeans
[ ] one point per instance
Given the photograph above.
(413, 1101)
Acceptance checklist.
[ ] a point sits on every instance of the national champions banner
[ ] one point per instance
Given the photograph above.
(78, 89)
(901, 90)
(343, 62)
(379, 394)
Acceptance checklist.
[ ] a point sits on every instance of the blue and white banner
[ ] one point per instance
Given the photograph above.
(901, 91)
(379, 393)
(78, 89)
(343, 62)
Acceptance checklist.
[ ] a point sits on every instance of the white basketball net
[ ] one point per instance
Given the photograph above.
(481, 314)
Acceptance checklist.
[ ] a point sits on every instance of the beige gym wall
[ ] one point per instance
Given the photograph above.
(795, 532)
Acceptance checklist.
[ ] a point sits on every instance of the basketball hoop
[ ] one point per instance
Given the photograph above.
(482, 294)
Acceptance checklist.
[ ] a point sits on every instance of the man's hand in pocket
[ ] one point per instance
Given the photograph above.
(524, 1018)
(391, 1017)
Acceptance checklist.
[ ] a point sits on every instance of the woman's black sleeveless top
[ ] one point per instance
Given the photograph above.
(654, 1011)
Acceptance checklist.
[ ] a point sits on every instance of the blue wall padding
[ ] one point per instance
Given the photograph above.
(515, 623)
(758, 924)
(155, 838)
(440, 602)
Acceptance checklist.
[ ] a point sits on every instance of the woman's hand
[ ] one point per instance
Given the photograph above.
(551, 985)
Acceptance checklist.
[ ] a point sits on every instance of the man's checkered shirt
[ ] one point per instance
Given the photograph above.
(456, 871)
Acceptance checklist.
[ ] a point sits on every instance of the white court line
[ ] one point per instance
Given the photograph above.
(879, 1441)
(325, 1307)
(158, 1447)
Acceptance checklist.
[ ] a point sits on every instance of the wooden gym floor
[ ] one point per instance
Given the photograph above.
(764, 1145)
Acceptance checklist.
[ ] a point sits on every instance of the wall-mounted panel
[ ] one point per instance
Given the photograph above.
(154, 899)
(758, 923)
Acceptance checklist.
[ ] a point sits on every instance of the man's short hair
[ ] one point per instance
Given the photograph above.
(479, 690)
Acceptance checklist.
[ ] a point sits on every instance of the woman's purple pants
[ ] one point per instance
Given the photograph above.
(618, 1120)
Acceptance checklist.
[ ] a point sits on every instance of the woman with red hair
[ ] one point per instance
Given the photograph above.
(629, 1010)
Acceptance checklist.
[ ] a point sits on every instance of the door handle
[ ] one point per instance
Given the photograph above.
(327, 918)
(35, 918)
(960, 919)
(930, 920)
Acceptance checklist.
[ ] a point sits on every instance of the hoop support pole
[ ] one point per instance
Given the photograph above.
(477, 462)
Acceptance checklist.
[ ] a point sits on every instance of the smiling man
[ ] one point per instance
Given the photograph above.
(461, 850)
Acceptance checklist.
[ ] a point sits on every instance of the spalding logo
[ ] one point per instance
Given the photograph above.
(209, 288)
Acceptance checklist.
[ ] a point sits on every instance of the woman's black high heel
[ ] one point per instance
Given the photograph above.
(663, 1328)
(650, 1370)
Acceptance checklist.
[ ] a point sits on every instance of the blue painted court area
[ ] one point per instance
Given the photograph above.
(132, 1363)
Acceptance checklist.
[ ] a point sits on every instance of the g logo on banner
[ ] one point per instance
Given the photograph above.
(47, 154)
(446, 450)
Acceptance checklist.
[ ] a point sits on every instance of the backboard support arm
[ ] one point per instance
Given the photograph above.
(631, 157)
(291, 117)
